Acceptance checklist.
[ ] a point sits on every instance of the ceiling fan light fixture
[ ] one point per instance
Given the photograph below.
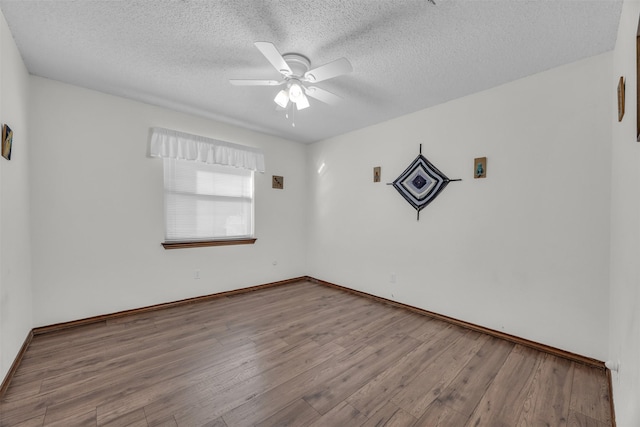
(282, 98)
(302, 103)
(295, 92)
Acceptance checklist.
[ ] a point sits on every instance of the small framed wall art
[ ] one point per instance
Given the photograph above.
(637, 85)
(480, 167)
(7, 141)
(277, 182)
(620, 98)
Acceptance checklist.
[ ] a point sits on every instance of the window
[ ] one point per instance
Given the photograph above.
(208, 189)
(207, 202)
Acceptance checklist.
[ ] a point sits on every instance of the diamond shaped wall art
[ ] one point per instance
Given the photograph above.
(421, 182)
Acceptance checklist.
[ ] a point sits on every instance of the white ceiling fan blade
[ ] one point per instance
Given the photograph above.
(274, 57)
(241, 82)
(327, 71)
(323, 95)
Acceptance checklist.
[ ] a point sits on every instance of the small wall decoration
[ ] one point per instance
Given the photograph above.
(621, 98)
(376, 174)
(480, 167)
(420, 183)
(638, 85)
(277, 182)
(7, 142)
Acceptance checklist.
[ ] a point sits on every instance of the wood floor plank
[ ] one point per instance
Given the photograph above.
(329, 393)
(166, 422)
(197, 378)
(297, 354)
(390, 415)
(437, 414)
(218, 422)
(134, 418)
(138, 358)
(550, 394)
(117, 407)
(229, 320)
(23, 390)
(13, 412)
(590, 393)
(299, 413)
(334, 324)
(366, 332)
(346, 324)
(86, 419)
(133, 378)
(427, 386)
(374, 394)
(46, 343)
(273, 317)
(233, 387)
(147, 341)
(468, 387)
(503, 401)
(266, 404)
(299, 323)
(577, 419)
(31, 422)
(162, 408)
(428, 329)
(411, 323)
(341, 415)
(227, 396)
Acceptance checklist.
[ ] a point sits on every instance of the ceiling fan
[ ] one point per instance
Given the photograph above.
(297, 77)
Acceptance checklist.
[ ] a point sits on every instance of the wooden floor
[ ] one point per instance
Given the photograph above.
(299, 355)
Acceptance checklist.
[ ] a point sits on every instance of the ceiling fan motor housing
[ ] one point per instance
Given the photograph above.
(299, 64)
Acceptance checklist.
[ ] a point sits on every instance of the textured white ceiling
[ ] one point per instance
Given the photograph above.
(407, 55)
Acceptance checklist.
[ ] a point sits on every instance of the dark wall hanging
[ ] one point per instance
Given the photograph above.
(421, 182)
(7, 142)
(621, 98)
(277, 182)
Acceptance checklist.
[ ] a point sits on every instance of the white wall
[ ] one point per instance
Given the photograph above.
(15, 259)
(97, 203)
(524, 251)
(625, 228)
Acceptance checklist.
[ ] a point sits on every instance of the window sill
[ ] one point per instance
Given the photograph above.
(183, 245)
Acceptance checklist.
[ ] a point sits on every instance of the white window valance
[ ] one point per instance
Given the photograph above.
(172, 144)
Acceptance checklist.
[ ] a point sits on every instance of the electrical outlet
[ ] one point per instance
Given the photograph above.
(392, 279)
(196, 274)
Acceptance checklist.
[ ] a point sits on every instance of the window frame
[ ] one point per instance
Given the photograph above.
(213, 241)
(205, 243)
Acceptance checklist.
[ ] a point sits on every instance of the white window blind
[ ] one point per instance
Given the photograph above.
(207, 201)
